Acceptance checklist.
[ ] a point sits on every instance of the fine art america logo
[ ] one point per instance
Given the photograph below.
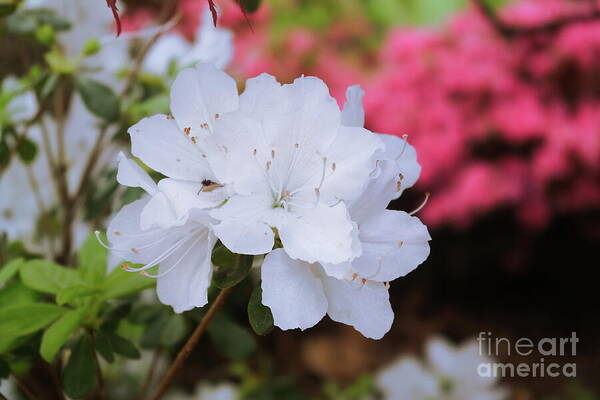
(542, 356)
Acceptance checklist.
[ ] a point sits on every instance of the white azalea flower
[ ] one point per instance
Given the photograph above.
(211, 45)
(290, 164)
(407, 379)
(393, 244)
(221, 391)
(455, 367)
(169, 228)
(281, 151)
(448, 373)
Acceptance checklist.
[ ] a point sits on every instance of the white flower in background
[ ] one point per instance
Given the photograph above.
(407, 379)
(18, 205)
(211, 45)
(448, 373)
(20, 105)
(393, 243)
(170, 228)
(291, 164)
(90, 19)
(221, 391)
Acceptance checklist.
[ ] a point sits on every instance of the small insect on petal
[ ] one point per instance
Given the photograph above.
(187, 131)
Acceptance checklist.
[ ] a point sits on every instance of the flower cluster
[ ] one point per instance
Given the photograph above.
(448, 373)
(501, 122)
(279, 166)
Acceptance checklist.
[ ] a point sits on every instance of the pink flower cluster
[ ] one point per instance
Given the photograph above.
(497, 122)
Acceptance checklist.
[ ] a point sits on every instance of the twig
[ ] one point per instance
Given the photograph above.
(99, 379)
(510, 31)
(61, 175)
(131, 77)
(72, 202)
(26, 391)
(170, 17)
(190, 344)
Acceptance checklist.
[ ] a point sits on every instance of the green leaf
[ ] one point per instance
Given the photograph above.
(15, 293)
(99, 99)
(28, 20)
(250, 5)
(27, 318)
(122, 283)
(23, 319)
(76, 292)
(122, 346)
(48, 277)
(7, 7)
(27, 150)
(59, 332)
(259, 315)
(10, 269)
(173, 331)
(104, 346)
(230, 339)
(146, 313)
(229, 268)
(79, 373)
(92, 260)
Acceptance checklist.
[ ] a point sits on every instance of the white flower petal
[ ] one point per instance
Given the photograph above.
(366, 306)
(262, 97)
(292, 292)
(186, 285)
(130, 243)
(242, 228)
(230, 149)
(200, 95)
(159, 143)
(185, 195)
(159, 213)
(393, 244)
(353, 113)
(129, 173)
(168, 48)
(405, 157)
(315, 121)
(321, 234)
(353, 153)
(212, 44)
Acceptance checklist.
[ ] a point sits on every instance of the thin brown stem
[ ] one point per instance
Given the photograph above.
(168, 16)
(23, 387)
(99, 378)
(190, 344)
